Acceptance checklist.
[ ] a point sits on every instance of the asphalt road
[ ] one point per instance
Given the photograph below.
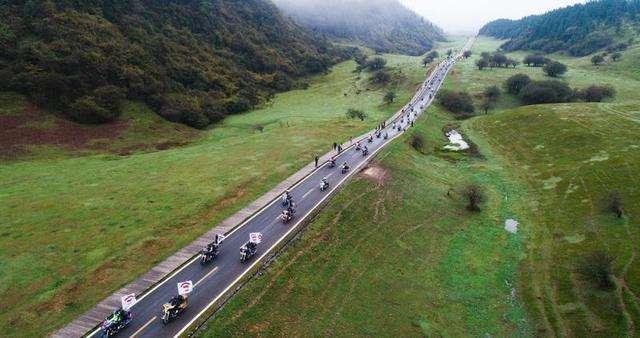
(212, 280)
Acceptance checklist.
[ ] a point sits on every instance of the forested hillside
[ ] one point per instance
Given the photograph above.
(192, 61)
(383, 25)
(579, 30)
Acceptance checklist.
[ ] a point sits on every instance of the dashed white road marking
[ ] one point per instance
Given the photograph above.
(143, 327)
(205, 276)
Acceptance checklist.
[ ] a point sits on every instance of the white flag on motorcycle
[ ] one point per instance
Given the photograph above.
(185, 288)
(255, 237)
(220, 238)
(128, 301)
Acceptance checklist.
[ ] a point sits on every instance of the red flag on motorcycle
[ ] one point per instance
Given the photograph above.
(255, 237)
(185, 288)
(128, 301)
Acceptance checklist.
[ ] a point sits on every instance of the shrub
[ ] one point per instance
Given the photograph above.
(492, 93)
(381, 77)
(389, 97)
(516, 83)
(87, 110)
(474, 196)
(537, 92)
(467, 54)
(597, 93)
(616, 56)
(459, 103)
(377, 63)
(355, 113)
(554, 68)
(417, 142)
(597, 59)
(597, 267)
(613, 204)
(482, 63)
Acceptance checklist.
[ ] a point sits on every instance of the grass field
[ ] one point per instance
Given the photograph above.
(397, 255)
(400, 256)
(75, 228)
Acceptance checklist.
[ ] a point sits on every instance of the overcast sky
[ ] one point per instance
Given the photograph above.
(456, 16)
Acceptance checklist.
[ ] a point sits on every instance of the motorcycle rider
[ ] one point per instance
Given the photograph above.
(177, 303)
(332, 162)
(365, 151)
(324, 184)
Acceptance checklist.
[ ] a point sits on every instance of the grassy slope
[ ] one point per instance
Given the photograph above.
(398, 258)
(570, 156)
(75, 229)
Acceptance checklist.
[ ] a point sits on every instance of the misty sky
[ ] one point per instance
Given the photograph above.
(455, 16)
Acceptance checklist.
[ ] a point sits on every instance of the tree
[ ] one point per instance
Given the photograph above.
(377, 63)
(390, 97)
(449, 52)
(361, 60)
(417, 142)
(616, 56)
(459, 103)
(482, 63)
(597, 59)
(516, 83)
(474, 196)
(467, 54)
(553, 91)
(534, 60)
(554, 68)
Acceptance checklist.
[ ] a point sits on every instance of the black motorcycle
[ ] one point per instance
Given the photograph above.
(247, 251)
(115, 323)
(209, 253)
(174, 308)
(345, 169)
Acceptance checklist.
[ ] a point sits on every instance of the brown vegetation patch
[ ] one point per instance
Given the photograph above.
(34, 127)
(376, 173)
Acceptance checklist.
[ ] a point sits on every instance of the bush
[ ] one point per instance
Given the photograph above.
(616, 56)
(597, 93)
(516, 83)
(492, 93)
(597, 59)
(459, 103)
(537, 92)
(467, 54)
(355, 113)
(474, 196)
(417, 142)
(535, 60)
(482, 63)
(381, 77)
(554, 68)
(87, 110)
(613, 204)
(597, 267)
(389, 97)
(377, 63)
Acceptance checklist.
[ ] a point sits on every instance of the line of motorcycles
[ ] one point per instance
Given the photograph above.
(120, 318)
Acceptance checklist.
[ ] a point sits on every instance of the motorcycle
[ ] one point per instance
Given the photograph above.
(345, 169)
(286, 216)
(386, 136)
(209, 253)
(115, 323)
(332, 163)
(287, 200)
(324, 185)
(365, 152)
(247, 251)
(174, 308)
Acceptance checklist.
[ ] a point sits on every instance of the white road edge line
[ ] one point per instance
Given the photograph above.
(143, 327)
(294, 227)
(205, 276)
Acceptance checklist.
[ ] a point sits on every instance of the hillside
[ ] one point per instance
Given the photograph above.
(191, 61)
(383, 25)
(579, 30)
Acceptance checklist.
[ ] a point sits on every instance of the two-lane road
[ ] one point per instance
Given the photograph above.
(214, 280)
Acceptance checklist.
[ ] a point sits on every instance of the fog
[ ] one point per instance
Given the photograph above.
(466, 16)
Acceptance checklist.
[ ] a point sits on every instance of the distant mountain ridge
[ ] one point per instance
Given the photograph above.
(579, 29)
(383, 25)
(192, 61)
